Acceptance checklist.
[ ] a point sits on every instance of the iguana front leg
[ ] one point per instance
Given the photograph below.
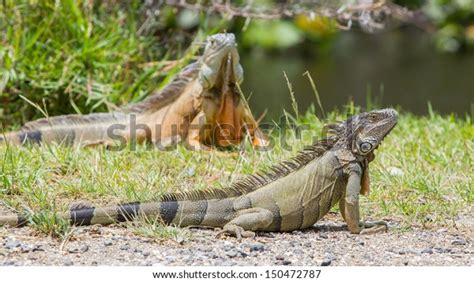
(349, 207)
(247, 221)
(197, 133)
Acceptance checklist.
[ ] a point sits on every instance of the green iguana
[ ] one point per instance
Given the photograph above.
(293, 195)
(202, 105)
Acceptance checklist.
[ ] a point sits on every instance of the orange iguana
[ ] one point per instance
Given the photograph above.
(201, 106)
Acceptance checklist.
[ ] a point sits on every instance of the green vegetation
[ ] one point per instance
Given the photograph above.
(422, 174)
(88, 56)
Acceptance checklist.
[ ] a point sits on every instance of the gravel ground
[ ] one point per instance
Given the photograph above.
(327, 243)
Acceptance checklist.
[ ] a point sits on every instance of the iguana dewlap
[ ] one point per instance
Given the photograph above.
(292, 195)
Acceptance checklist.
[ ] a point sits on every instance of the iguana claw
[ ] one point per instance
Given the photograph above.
(373, 227)
(237, 231)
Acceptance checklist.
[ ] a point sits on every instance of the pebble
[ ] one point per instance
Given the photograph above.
(68, 262)
(326, 262)
(26, 248)
(232, 253)
(279, 257)
(78, 250)
(427, 251)
(38, 248)
(459, 242)
(323, 236)
(257, 247)
(108, 243)
(298, 251)
(12, 244)
(328, 258)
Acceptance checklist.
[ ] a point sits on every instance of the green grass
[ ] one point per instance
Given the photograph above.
(434, 153)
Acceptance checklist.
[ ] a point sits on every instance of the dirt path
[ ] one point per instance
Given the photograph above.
(328, 243)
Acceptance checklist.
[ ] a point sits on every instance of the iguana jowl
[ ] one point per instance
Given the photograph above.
(293, 195)
(202, 105)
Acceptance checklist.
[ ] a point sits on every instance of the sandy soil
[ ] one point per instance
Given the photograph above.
(327, 243)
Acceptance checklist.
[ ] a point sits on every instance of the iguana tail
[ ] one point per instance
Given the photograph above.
(181, 213)
(68, 129)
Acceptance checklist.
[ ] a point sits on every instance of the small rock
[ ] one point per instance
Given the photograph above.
(286, 262)
(125, 247)
(228, 263)
(83, 248)
(459, 242)
(232, 253)
(68, 262)
(298, 252)
(12, 244)
(326, 262)
(405, 263)
(323, 235)
(427, 251)
(108, 243)
(179, 240)
(257, 247)
(228, 246)
(38, 248)
(78, 250)
(26, 248)
(145, 253)
(279, 257)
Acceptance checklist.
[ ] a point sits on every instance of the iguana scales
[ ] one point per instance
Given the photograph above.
(292, 195)
(202, 105)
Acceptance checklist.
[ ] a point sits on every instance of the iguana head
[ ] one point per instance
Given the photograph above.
(361, 135)
(367, 130)
(220, 61)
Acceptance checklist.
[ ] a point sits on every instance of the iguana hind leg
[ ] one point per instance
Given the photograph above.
(246, 222)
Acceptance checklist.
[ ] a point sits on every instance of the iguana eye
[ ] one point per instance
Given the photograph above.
(365, 147)
(372, 117)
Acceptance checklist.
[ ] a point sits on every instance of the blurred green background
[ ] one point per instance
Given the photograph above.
(86, 56)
